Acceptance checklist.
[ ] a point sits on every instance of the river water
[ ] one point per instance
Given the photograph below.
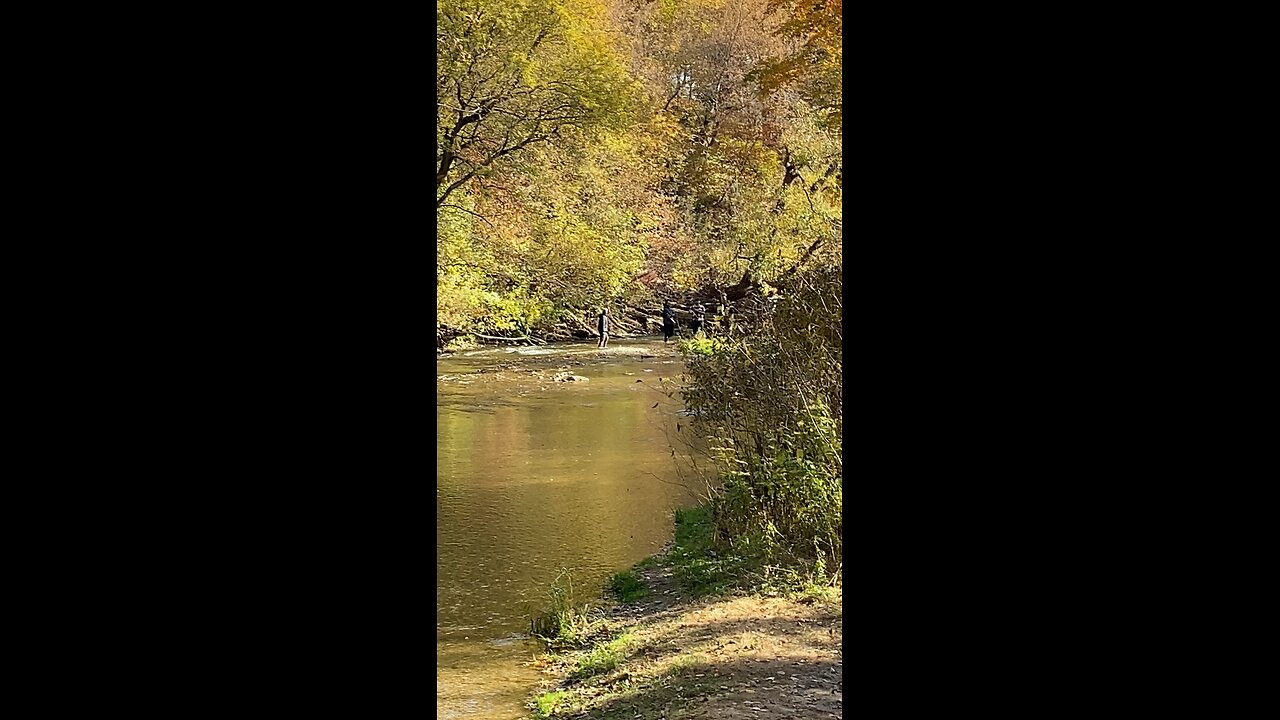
(535, 475)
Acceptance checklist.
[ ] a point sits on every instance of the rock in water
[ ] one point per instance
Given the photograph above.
(568, 377)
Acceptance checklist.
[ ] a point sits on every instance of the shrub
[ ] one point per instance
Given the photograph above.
(769, 401)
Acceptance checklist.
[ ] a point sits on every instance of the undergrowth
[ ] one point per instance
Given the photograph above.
(603, 658)
(704, 566)
(627, 587)
(699, 567)
(769, 403)
(545, 704)
(566, 622)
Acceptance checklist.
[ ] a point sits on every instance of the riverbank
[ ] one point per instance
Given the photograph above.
(647, 345)
(672, 652)
(622, 346)
(533, 475)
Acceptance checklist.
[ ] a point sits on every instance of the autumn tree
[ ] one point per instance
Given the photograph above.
(813, 63)
(622, 148)
(513, 74)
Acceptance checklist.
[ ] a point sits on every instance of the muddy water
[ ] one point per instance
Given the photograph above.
(535, 475)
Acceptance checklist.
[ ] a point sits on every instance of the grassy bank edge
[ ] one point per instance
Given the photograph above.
(600, 642)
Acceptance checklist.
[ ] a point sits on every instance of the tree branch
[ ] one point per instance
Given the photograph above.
(459, 207)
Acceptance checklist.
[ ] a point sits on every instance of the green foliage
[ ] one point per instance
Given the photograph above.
(682, 664)
(514, 74)
(461, 343)
(565, 623)
(524, 91)
(700, 564)
(546, 703)
(769, 402)
(602, 658)
(564, 239)
(819, 592)
(596, 150)
(700, 346)
(627, 587)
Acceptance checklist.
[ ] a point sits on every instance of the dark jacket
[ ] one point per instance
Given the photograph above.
(604, 323)
(668, 316)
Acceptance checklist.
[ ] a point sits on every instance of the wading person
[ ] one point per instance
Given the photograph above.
(699, 313)
(603, 323)
(668, 322)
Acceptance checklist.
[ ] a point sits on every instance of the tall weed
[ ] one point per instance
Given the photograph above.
(565, 623)
(769, 401)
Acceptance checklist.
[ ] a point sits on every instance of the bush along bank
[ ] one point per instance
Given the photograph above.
(698, 631)
(741, 616)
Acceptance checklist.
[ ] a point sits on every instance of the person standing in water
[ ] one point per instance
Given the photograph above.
(699, 314)
(668, 322)
(603, 324)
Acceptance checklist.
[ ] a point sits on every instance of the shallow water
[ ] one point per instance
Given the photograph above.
(533, 476)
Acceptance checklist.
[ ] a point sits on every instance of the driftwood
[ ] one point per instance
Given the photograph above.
(522, 338)
(732, 293)
(628, 321)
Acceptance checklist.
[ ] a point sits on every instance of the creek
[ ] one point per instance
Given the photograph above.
(535, 475)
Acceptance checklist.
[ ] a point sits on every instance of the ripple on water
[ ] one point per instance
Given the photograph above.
(527, 485)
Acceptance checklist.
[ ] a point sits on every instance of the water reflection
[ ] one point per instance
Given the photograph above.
(534, 475)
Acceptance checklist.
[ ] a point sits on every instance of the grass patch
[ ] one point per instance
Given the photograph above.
(699, 566)
(651, 561)
(681, 663)
(565, 622)
(627, 587)
(704, 567)
(699, 346)
(603, 658)
(819, 592)
(546, 703)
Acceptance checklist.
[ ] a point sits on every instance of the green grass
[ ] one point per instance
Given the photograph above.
(681, 664)
(699, 566)
(704, 567)
(627, 587)
(547, 703)
(603, 658)
(818, 592)
(699, 346)
(565, 623)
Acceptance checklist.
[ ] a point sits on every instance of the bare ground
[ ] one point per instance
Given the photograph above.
(727, 657)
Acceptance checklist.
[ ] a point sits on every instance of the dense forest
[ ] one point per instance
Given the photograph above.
(620, 153)
(623, 153)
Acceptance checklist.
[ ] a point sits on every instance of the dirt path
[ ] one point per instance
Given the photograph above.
(730, 657)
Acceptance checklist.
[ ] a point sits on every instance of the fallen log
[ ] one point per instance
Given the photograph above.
(524, 338)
